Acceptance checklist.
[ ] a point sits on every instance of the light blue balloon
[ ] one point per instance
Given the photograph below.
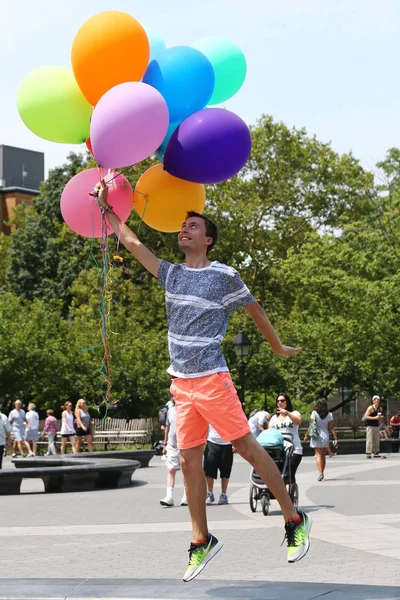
(157, 44)
(161, 150)
(184, 77)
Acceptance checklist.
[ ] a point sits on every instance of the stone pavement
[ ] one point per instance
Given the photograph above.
(122, 544)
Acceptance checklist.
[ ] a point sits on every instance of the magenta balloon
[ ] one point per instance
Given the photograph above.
(81, 212)
(128, 124)
(210, 146)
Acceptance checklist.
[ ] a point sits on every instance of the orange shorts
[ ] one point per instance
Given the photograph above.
(207, 400)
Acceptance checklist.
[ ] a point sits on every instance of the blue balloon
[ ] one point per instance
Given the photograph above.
(161, 150)
(157, 44)
(184, 77)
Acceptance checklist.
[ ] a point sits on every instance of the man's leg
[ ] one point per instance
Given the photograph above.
(169, 498)
(195, 484)
(224, 485)
(1, 456)
(225, 468)
(210, 469)
(210, 484)
(251, 451)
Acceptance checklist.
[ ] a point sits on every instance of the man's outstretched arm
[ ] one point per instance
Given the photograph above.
(126, 235)
(261, 320)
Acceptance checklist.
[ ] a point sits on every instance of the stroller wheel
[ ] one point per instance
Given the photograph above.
(265, 503)
(294, 494)
(253, 498)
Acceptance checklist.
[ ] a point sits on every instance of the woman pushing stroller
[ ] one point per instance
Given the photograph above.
(287, 421)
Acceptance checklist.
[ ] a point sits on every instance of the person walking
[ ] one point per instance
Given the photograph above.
(200, 297)
(218, 456)
(17, 421)
(172, 454)
(32, 428)
(67, 428)
(5, 435)
(50, 428)
(287, 420)
(323, 420)
(83, 425)
(373, 416)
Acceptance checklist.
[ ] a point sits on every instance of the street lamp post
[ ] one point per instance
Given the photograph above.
(242, 344)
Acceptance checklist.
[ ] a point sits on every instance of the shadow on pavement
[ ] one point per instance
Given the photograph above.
(199, 589)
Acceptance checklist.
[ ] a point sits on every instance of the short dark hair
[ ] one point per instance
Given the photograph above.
(289, 406)
(211, 227)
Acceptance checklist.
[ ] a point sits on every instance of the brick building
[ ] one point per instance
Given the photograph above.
(21, 173)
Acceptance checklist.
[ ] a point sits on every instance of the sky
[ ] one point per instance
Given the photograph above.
(330, 66)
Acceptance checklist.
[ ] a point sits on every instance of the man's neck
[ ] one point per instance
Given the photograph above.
(197, 262)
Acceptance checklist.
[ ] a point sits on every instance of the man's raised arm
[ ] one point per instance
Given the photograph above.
(126, 235)
(261, 320)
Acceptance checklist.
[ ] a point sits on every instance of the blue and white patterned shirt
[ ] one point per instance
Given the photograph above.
(199, 303)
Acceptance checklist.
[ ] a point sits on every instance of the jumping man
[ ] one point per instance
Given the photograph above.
(200, 296)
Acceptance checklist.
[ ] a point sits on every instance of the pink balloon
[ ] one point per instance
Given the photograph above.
(81, 212)
(128, 124)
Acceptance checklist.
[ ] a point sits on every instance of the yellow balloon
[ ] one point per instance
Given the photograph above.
(162, 200)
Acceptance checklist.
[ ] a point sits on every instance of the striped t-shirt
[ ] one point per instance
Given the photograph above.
(199, 303)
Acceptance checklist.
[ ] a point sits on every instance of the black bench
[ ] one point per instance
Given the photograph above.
(389, 446)
(67, 474)
(142, 456)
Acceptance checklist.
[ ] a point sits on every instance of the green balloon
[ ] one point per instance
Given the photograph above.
(229, 65)
(51, 105)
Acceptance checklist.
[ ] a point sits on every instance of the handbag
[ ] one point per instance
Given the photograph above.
(313, 430)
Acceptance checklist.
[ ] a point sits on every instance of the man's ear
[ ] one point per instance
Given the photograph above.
(209, 241)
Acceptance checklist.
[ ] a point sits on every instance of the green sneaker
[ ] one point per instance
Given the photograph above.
(200, 555)
(297, 535)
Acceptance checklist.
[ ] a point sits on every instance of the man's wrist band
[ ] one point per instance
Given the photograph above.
(108, 208)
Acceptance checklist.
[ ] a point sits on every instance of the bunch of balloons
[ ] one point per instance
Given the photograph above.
(129, 97)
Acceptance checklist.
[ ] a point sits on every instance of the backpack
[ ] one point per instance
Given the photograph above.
(313, 430)
(162, 415)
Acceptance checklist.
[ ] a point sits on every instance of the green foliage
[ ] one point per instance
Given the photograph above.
(314, 238)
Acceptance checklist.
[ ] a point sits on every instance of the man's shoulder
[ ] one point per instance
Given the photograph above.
(219, 267)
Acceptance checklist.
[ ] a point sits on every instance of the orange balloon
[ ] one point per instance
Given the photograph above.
(162, 200)
(110, 48)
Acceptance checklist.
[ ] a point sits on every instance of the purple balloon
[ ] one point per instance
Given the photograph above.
(209, 146)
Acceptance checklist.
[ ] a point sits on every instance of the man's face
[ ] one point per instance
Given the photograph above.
(18, 405)
(192, 236)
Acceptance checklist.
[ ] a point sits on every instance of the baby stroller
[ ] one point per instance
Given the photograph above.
(280, 448)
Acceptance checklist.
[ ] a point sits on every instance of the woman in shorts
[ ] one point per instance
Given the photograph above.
(67, 428)
(83, 430)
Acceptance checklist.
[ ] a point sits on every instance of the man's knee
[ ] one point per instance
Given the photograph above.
(191, 458)
(246, 446)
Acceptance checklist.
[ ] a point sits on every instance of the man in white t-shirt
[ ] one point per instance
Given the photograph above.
(218, 456)
(258, 422)
(172, 458)
(17, 421)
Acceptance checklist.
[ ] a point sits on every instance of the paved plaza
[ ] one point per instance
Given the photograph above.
(122, 544)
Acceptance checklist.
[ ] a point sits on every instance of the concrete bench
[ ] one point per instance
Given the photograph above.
(67, 474)
(141, 456)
